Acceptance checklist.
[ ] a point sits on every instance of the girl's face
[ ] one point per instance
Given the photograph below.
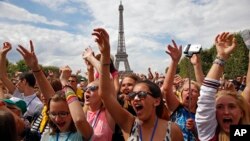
(127, 85)
(142, 101)
(60, 115)
(193, 96)
(227, 112)
(91, 94)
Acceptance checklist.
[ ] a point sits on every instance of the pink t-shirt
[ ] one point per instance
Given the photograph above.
(102, 130)
(115, 73)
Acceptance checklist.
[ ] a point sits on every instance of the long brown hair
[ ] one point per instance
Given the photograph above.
(8, 130)
(59, 96)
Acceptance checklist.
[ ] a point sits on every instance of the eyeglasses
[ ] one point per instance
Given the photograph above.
(140, 94)
(60, 114)
(91, 88)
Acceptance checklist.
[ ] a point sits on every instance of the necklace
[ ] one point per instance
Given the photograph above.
(153, 133)
(57, 136)
(31, 101)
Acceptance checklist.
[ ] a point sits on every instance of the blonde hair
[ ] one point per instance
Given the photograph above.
(243, 105)
(196, 84)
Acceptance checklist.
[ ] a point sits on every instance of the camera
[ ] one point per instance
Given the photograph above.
(191, 49)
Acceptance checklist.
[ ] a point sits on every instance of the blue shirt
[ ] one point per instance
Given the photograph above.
(180, 116)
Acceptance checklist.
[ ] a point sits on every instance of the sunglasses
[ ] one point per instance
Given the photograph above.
(60, 114)
(140, 94)
(91, 88)
(159, 82)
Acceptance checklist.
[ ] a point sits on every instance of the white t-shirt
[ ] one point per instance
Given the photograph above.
(34, 104)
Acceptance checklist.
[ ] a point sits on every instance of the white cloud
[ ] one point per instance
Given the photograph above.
(148, 25)
(52, 47)
(13, 12)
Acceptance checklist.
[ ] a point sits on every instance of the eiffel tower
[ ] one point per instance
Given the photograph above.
(121, 55)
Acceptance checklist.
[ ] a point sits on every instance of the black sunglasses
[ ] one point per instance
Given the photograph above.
(91, 88)
(140, 94)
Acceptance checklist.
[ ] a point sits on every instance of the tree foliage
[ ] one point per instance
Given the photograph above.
(236, 65)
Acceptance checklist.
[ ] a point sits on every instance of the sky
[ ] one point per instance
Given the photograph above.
(61, 29)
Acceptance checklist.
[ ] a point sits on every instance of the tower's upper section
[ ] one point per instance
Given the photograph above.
(121, 7)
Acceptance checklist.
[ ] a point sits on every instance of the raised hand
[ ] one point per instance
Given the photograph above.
(29, 56)
(174, 51)
(78, 72)
(6, 48)
(87, 53)
(102, 39)
(177, 80)
(88, 64)
(225, 44)
(190, 124)
(195, 59)
(65, 74)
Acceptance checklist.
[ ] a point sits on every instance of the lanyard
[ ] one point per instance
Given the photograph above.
(153, 133)
(95, 119)
(57, 136)
(31, 101)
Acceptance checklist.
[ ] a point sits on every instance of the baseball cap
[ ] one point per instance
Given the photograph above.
(19, 103)
(83, 79)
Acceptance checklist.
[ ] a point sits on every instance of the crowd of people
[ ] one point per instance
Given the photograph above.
(107, 106)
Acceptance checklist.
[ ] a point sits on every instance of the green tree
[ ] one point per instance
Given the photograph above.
(236, 65)
(21, 66)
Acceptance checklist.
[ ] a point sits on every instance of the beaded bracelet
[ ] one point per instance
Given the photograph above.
(219, 62)
(71, 98)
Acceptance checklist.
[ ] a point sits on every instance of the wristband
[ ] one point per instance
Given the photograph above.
(221, 59)
(71, 98)
(219, 62)
(106, 64)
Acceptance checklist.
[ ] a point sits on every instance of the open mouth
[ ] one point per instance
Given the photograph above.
(138, 107)
(227, 120)
(60, 125)
(87, 97)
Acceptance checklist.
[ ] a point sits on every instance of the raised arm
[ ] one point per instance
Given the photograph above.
(106, 89)
(90, 70)
(167, 87)
(3, 71)
(88, 54)
(32, 62)
(225, 44)
(246, 92)
(75, 107)
(150, 74)
(206, 112)
(65, 74)
(196, 61)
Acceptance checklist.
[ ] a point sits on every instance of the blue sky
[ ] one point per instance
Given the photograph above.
(61, 29)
